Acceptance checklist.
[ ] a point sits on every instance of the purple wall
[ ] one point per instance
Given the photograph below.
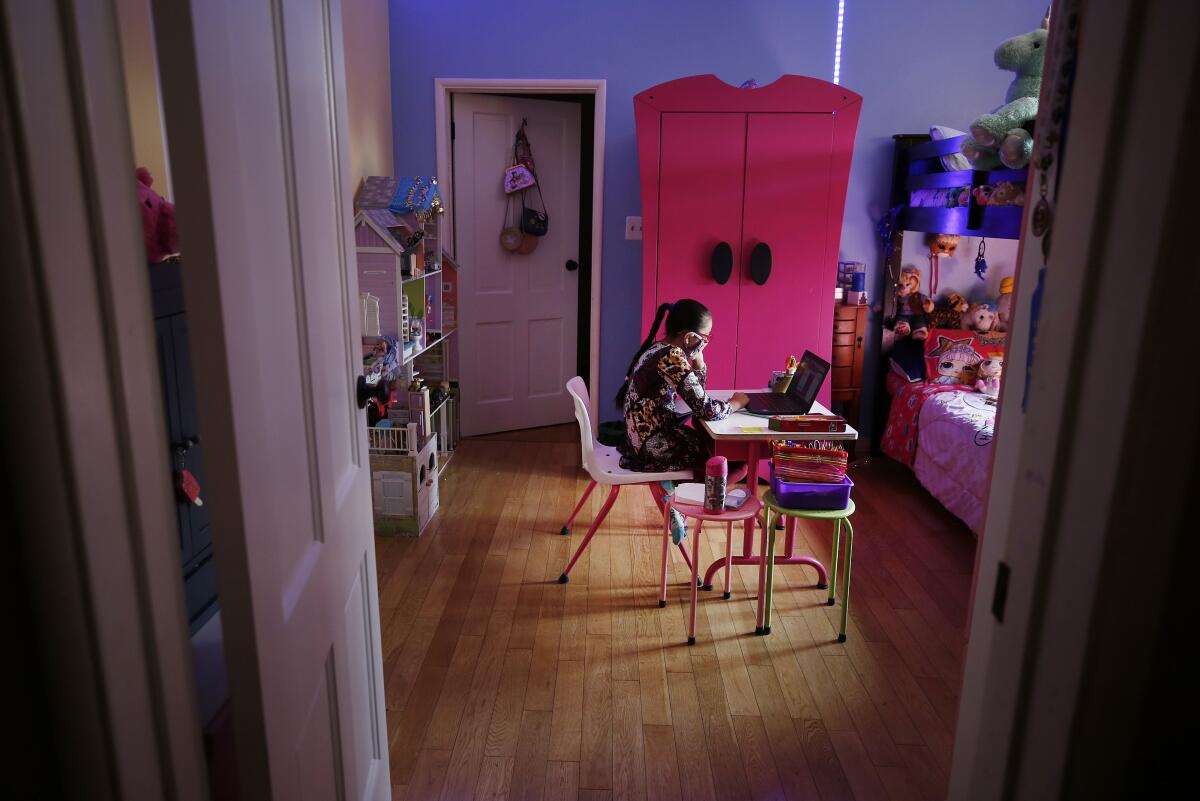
(913, 68)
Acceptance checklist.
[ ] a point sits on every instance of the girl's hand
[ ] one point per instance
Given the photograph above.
(738, 401)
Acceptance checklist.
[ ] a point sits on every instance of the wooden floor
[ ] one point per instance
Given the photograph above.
(502, 683)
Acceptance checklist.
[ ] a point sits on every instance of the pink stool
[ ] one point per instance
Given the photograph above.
(748, 511)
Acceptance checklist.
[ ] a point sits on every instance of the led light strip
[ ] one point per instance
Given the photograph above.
(837, 44)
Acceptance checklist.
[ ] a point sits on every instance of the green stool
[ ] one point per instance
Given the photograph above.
(766, 565)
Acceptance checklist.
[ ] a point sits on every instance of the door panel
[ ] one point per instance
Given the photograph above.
(700, 202)
(255, 110)
(787, 206)
(517, 313)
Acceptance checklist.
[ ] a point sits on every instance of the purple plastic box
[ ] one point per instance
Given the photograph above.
(801, 495)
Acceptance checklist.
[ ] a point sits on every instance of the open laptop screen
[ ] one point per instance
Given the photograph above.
(810, 375)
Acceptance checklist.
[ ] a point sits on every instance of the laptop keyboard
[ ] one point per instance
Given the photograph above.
(772, 403)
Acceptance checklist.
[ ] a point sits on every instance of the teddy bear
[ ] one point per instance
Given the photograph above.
(950, 314)
(158, 220)
(987, 376)
(1003, 137)
(980, 318)
(911, 305)
(1004, 305)
(1007, 193)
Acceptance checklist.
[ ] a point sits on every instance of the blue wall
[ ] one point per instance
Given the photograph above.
(913, 63)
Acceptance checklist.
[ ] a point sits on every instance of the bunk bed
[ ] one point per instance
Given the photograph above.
(942, 432)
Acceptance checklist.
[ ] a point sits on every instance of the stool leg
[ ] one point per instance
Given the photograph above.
(695, 584)
(565, 530)
(662, 588)
(846, 581)
(591, 532)
(762, 572)
(833, 561)
(729, 562)
(770, 581)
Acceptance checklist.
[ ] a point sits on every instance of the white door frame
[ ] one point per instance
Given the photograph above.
(444, 87)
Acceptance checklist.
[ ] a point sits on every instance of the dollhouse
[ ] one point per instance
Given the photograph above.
(407, 290)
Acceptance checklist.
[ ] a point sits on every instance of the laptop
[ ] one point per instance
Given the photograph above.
(810, 375)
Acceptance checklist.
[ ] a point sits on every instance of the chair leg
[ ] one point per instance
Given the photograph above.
(762, 572)
(666, 541)
(565, 530)
(612, 497)
(729, 562)
(770, 581)
(695, 583)
(846, 580)
(833, 561)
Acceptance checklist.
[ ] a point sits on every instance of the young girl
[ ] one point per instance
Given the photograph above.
(656, 439)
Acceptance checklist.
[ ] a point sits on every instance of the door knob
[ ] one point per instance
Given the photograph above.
(572, 265)
(722, 262)
(760, 263)
(364, 392)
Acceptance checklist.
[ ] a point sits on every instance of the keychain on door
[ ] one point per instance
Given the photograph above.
(185, 483)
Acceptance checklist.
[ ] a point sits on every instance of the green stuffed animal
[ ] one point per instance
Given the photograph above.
(1003, 137)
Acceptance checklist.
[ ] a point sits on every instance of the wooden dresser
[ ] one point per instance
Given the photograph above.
(849, 337)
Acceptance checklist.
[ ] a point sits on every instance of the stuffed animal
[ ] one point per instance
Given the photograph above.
(982, 194)
(980, 318)
(943, 244)
(950, 314)
(1007, 193)
(911, 305)
(987, 376)
(1004, 305)
(158, 220)
(1003, 137)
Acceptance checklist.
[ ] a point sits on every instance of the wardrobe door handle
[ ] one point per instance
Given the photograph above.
(722, 262)
(572, 265)
(760, 263)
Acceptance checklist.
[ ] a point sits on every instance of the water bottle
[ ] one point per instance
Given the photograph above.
(716, 473)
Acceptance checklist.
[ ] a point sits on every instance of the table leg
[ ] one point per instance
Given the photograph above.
(762, 575)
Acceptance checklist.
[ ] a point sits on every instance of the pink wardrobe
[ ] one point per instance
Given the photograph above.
(734, 180)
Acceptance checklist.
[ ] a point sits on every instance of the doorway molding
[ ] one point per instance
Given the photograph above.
(445, 87)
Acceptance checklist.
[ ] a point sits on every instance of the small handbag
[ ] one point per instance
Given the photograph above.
(417, 195)
(511, 237)
(534, 222)
(520, 175)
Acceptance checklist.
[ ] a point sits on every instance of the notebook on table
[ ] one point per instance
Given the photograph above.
(801, 393)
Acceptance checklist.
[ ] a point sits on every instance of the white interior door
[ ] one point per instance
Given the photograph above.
(518, 313)
(255, 110)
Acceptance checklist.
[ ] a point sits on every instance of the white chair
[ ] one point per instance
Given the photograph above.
(603, 464)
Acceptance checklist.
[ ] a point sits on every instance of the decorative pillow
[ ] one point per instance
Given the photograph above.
(951, 356)
(950, 161)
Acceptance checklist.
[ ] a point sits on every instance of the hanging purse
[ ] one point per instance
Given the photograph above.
(510, 235)
(520, 175)
(533, 221)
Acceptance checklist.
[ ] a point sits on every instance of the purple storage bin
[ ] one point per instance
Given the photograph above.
(811, 495)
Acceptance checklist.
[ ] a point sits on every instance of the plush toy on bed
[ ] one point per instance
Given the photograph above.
(987, 376)
(950, 314)
(1004, 305)
(954, 361)
(158, 220)
(911, 305)
(980, 318)
(1004, 136)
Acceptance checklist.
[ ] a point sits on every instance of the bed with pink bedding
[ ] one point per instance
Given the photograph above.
(944, 432)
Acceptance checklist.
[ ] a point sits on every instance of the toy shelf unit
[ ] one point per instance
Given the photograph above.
(408, 310)
(985, 203)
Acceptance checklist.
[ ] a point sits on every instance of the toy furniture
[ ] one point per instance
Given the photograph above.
(746, 513)
(766, 568)
(850, 328)
(743, 192)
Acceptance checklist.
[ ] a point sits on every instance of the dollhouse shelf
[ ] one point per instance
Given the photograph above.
(429, 346)
(409, 278)
(925, 172)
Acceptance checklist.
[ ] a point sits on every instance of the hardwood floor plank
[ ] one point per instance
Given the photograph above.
(529, 766)
(444, 724)
(505, 725)
(662, 763)
(596, 742)
(818, 751)
(729, 776)
(428, 776)
(629, 766)
(691, 747)
(566, 727)
(860, 770)
(562, 780)
(795, 776)
(495, 776)
(757, 759)
(867, 722)
(824, 691)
